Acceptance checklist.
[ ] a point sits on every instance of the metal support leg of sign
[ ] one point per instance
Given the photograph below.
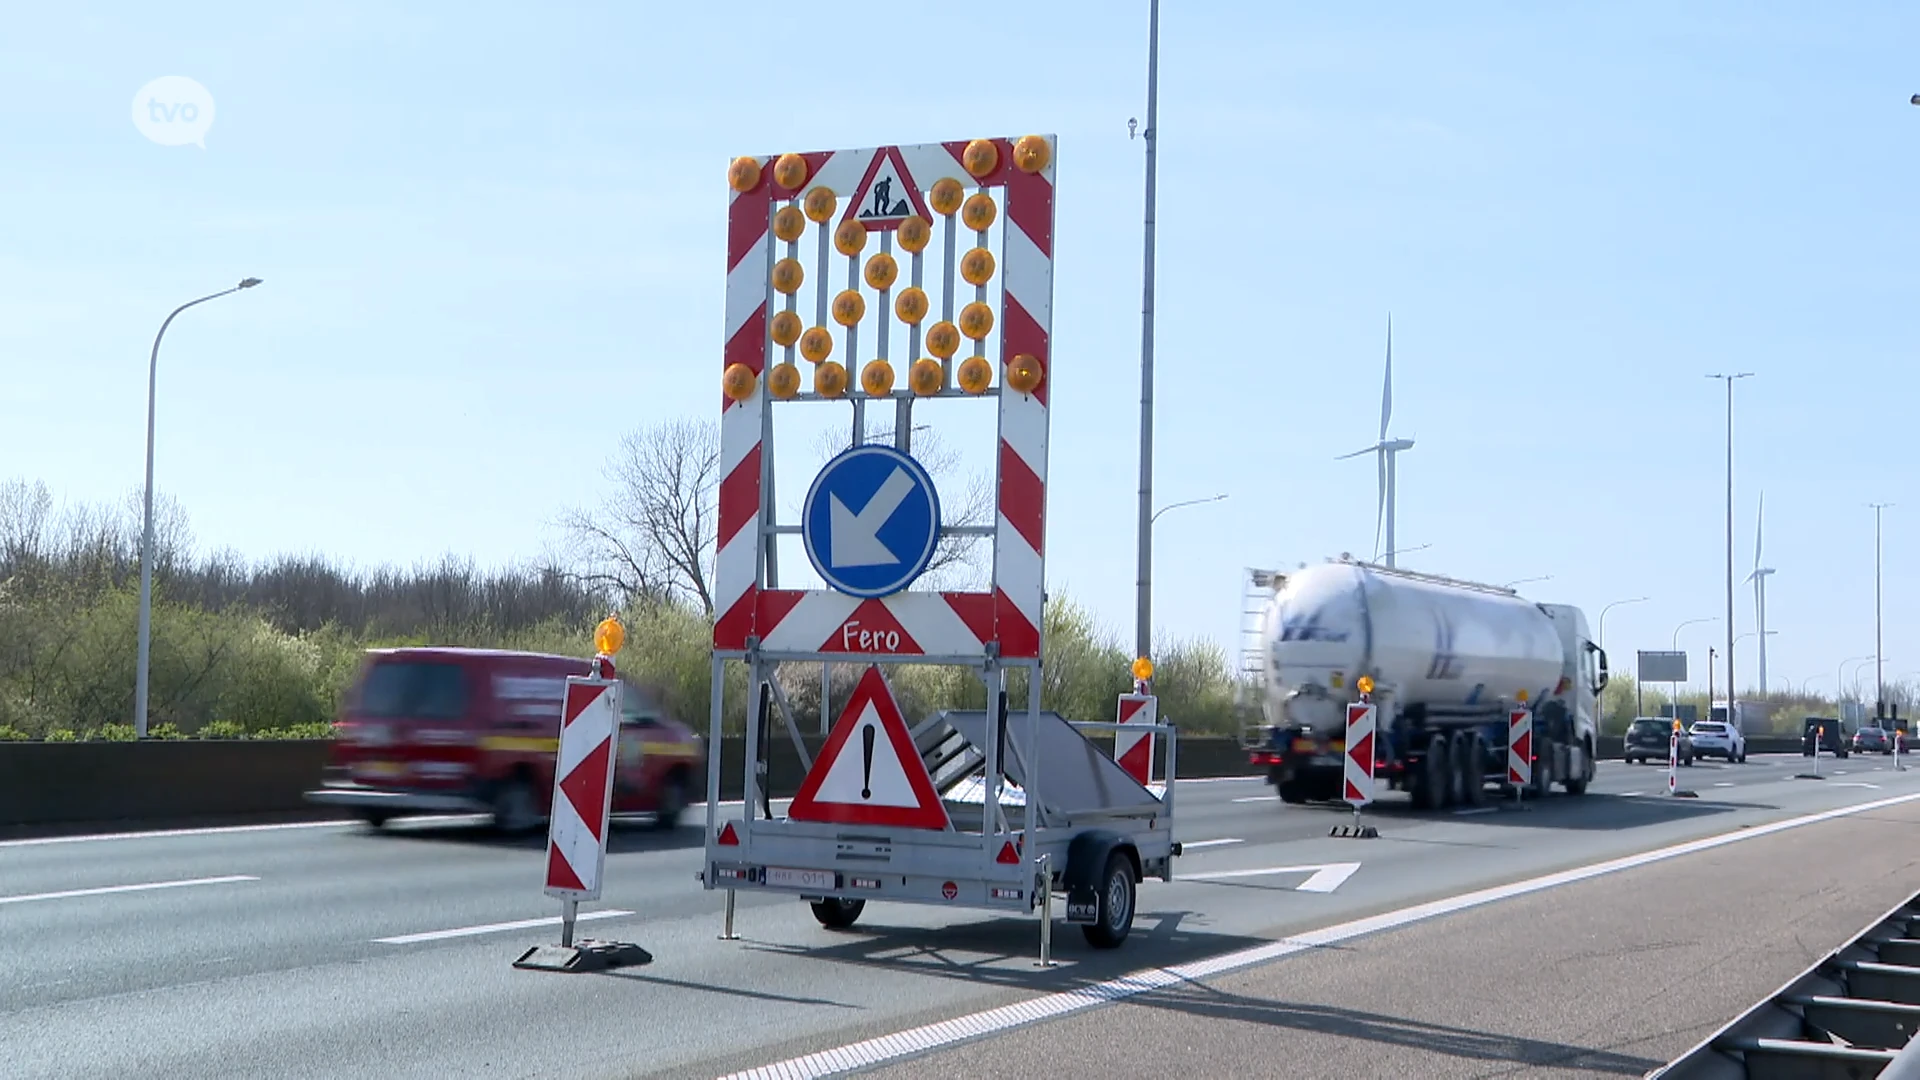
(1043, 888)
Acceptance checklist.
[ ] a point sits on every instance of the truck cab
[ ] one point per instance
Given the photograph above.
(1582, 679)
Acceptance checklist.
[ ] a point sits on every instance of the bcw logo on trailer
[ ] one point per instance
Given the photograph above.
(1134, 750)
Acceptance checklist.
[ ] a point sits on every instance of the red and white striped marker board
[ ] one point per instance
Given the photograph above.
(883, 189)
(1134, 750)
(1520, 747)
(583, 788)
(1357, 788)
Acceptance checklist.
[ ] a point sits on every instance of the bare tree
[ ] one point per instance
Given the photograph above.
(653, 535)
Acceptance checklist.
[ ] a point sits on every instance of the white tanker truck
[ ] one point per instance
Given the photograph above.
(1448, 660)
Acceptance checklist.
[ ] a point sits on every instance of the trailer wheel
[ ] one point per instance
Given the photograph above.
(1472, 771)
(1116, 904)
(1292, 791)
(837, 913)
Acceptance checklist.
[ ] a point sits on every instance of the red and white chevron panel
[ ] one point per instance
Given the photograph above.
(948, 625)
(1357, 788)
(1134, 750)
(1520, 747)
(583, 788)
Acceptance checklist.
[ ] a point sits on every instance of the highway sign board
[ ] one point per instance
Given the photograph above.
(871, 521)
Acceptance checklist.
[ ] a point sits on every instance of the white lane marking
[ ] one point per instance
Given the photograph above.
(214, 831)
(1723, 783)
(495, 928)
(1258, 798)
(149, 886)
(920, 1040)
(1857, 783)
(1326, 877)
(1631, 794)
(1189, 845)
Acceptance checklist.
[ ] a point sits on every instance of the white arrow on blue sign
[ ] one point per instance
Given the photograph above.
(871, 521)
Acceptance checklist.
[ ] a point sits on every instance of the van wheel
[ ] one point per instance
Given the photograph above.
(514, 811)
(837, 913)
(672, 803)
(374, 818)
(1116, 904)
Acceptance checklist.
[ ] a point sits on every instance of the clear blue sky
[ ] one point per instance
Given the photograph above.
(491, 236)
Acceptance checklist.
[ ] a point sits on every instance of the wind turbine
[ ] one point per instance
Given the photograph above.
(1759, 579)
(1386, 448)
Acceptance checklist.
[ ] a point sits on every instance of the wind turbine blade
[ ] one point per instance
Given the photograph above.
(1357, 453)
(1386, 389)
(1759, 530)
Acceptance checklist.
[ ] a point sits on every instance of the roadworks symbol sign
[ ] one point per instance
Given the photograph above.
(869, 773)
(886, 195)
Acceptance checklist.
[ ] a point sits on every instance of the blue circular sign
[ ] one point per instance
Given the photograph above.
(871, 521)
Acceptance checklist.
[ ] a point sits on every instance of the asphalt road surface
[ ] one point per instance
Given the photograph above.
(330, 950)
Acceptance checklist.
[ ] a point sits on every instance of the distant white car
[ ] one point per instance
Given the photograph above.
(1712, 738)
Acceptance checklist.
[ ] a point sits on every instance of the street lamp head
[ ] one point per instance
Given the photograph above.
(248, 283)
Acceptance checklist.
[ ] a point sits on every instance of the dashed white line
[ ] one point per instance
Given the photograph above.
(1723, 783)
(1631, 794)
(495, 928)
(1324, 878)
(1258, 798)
(149, 886)
(920, 1040)
(1189, 845)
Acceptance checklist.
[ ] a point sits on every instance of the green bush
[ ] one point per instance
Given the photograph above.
(222, 729)
(115, 733)
(60, 735)
(13, 734)
(164, 731)
(315, 730)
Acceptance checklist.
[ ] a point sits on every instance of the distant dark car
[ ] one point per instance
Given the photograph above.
(1872, 740)
(1831, 733)
(1648, 740)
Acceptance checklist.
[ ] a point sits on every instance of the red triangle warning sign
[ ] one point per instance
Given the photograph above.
(869, 773)
(886, 194)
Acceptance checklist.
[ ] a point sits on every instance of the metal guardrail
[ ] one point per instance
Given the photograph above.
(1853, 1014)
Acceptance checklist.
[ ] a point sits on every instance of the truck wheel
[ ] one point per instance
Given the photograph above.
(672, 802)
(1292, 791)
(1472, 771)
(837, 913)
(1577, 785)
(1116, 904)
(515, 812)
(1433, 783)
(374, 818)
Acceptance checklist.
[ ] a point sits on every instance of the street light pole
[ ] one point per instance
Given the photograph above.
(146, 520)
(1178, 505)
(1879, 663)
(1732, 694)
(1143, 618)
(1602, 632)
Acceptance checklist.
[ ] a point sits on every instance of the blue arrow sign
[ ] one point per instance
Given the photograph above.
(871, 521)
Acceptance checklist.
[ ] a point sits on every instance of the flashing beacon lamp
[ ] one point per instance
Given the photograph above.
(1364, 684)
(1142, 674)
(608, 638)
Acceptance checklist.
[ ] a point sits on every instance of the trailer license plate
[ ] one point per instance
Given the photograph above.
(1083, 906)
(786, 877)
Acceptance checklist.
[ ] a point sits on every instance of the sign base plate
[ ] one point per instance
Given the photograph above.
(586, 956)
(1355, 832)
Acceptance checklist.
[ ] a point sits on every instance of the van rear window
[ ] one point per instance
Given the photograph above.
(406, 690)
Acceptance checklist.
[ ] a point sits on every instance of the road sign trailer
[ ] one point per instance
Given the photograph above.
(1056, 812)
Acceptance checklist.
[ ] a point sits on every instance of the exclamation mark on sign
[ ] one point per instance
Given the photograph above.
(866, 746)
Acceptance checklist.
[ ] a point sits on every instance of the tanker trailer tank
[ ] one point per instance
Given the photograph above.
(1448, 659)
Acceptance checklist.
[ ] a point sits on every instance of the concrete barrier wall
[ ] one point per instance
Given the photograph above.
(62, 783)
(55, 783)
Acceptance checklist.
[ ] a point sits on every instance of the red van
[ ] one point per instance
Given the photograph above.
(438, 730)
